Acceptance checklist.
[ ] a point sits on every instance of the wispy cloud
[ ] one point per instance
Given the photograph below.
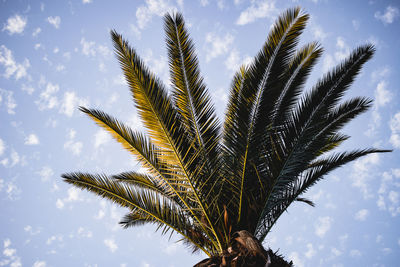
(391, 13)
(257, 10)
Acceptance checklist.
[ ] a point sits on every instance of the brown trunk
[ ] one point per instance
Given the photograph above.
(245, 251)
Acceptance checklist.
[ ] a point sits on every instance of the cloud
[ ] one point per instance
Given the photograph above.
(10, 255)
(257, 10)
(47, 98)
(70, 103)
(362, 169)
(323, 226)
(12, 68)
(87, 1)
(31, 139)
(2, 147)
(382, 95)
(391, 13)
(101, 138)
(204, 3)
(39, 264)
(234, 61)
(36, 32)
(15, 24)
(71, 145)
(395, 129)
(361, 215)
(46, 173)
(380, 73)
(55, 21)
(355, 253)
(110, 243)
(310, 251)
(144, 13)
(297, 261)
(90, 49)
(341, 53)
(7, 98)
(388, 193)
(217, 45)
(356, 24)
(73, 196)
(53, 238)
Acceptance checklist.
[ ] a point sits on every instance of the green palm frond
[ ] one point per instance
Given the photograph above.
(261, 87)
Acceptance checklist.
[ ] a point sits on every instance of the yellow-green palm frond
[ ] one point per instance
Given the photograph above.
(165, 129)
(146, 202)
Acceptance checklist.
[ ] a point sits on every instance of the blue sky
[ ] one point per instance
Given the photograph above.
(57, 55)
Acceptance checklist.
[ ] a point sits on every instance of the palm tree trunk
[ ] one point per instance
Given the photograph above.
(245, 251)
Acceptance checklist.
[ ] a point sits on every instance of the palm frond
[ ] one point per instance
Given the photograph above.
(310, 177)
(190, 94)
(165, 127)
(262, 88)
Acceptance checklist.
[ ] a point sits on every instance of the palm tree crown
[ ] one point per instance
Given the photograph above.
(207, 180)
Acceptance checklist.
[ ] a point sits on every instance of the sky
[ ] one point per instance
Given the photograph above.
(57, 55)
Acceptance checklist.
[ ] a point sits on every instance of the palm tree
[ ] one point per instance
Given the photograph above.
(222, 187)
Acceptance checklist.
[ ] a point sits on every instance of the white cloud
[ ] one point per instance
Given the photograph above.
(323, 225)
(297, 261)
(47, 98)
(10, 255)
(73, 196)
(70, 103)
(144, 13)
(355, 253)
(388, 198)
(101, 138)
(234, 61)
(15, 24)
(12, 68)
(158, 65)
(395, 129)
(319, 33)
(310, 251)
(7, 98)
(88, 47)
(361, 215)
(110, 243)
(204, 3)
(343, 50)
(54, 238)
(341, 53)
(257, 9)
(31, 139)
(27, 88)
(55, 21)
(362, 173)
(39, 264)
(46, 173)
(71, 145)
(2, 147)
(87, 1)
(356, 24)
(391, 13)
(217, 45)
(380, 73)
(382, 95)
(36, 32)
